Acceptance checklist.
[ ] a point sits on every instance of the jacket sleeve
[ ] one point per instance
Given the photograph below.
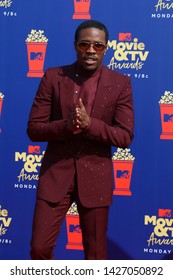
(120, 132)
(40, 126)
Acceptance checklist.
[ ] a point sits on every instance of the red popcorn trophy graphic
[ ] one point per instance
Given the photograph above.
(36, 47)
(1, 102)
(74, 234)
(122, 167)
(81, 9)
(166, 113)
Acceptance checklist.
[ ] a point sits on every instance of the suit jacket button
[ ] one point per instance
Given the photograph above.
(77, 158)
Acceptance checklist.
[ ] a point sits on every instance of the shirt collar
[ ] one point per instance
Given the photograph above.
(79, 71)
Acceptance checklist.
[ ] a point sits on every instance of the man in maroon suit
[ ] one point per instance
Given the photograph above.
(81, 110)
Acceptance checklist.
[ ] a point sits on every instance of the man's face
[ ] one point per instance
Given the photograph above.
(91, 58)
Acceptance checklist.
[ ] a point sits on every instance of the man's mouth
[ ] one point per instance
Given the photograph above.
(90, 60)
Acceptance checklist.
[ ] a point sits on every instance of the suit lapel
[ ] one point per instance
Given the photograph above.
(66, 91)
(102, 94)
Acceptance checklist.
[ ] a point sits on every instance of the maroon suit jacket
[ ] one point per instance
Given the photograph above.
(111, 125)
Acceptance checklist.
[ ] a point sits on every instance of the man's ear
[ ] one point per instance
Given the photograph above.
(75, 46)
(105, 50)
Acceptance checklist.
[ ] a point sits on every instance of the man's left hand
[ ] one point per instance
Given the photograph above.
(82, 118)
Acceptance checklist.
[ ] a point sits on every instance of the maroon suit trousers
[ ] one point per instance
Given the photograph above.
(48, 218)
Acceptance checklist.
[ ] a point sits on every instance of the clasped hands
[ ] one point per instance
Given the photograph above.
(79, 118)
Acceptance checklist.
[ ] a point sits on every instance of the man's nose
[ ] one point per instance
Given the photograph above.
(91, 48)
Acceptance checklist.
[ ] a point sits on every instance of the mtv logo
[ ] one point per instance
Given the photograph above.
(123, 174)
(34, 149)
(36, 56)
(75, 228)
(168, 118)
(125, 37)
(164, 213)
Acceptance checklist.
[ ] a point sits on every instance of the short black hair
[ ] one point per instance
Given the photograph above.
(90, 24)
